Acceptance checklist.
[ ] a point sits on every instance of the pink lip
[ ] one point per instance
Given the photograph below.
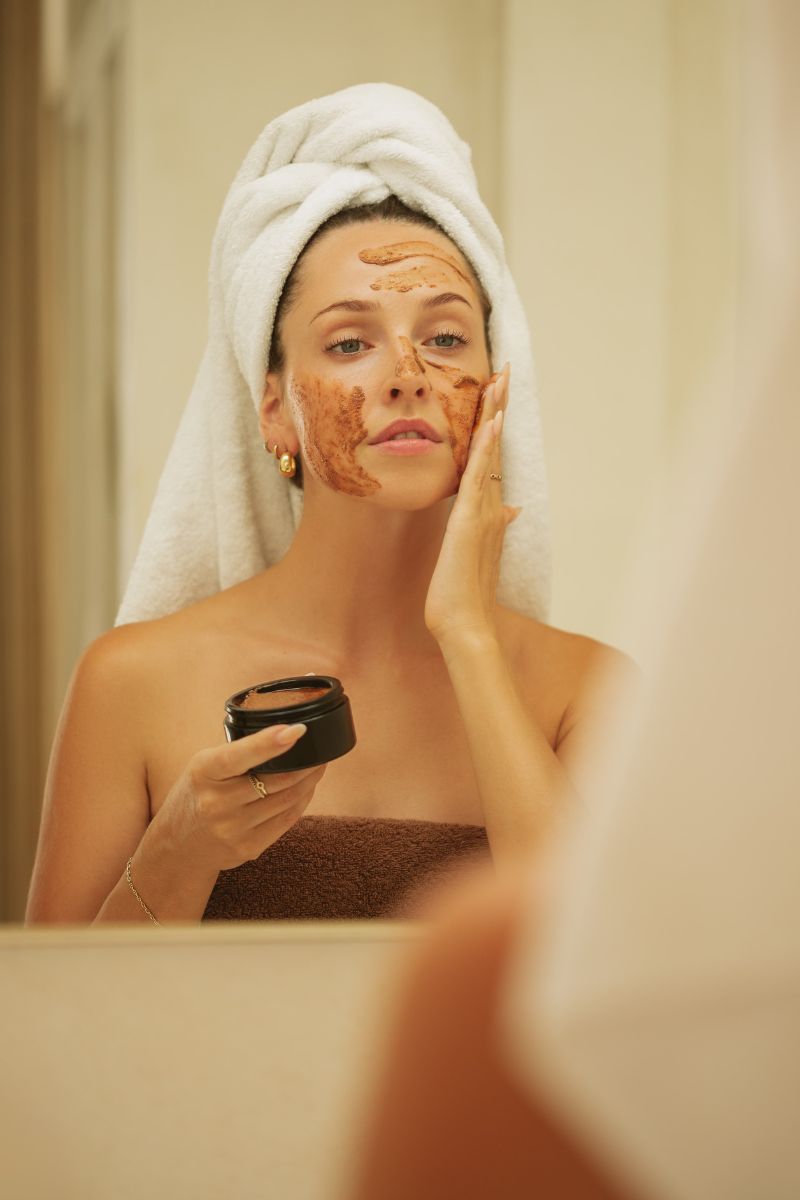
(406, 426)
(406, 447)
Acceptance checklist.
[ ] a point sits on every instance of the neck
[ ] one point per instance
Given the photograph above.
(356, 576)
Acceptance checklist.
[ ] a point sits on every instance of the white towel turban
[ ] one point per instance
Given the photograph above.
(222, 511)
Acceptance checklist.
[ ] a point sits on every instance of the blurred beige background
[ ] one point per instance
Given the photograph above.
(606, 140)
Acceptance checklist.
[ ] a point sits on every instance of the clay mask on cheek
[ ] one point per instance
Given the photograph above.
(459, 394)
(331, 416)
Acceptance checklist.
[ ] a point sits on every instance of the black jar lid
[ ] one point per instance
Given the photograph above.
(291, 712)
(330, 732)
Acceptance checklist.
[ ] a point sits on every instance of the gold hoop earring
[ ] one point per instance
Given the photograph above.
(286, 461)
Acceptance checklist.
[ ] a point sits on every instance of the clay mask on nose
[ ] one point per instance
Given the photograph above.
(410, 362)
(460, 396)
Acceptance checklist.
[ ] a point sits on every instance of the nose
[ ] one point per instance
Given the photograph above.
(409, 374)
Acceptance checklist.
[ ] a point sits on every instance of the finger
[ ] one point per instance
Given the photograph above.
(497, 393)
(234, 758)
(505, 378)
(279, 781)
(496, 465)
(496, 452)
(485, 409)
(487, 414)
(477, 469)
(277, 824)
(262, 808)
(501, 406)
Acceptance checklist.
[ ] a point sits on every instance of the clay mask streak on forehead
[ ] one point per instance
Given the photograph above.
(404, 281)
(414, 276)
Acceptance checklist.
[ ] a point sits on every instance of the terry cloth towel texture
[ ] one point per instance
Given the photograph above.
(222, 512)
(345, 868)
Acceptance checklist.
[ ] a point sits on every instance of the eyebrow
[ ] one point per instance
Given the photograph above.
(374, 305)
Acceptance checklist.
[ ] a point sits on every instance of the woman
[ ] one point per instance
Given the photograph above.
(470, 716)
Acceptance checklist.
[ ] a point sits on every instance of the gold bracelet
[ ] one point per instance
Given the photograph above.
(136, 894)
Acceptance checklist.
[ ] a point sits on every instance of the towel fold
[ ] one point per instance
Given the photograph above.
(220, 515)
(349, 868)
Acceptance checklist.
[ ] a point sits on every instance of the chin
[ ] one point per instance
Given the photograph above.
(416, 496)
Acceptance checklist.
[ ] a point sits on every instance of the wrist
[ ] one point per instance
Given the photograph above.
(467, 639)
(173, 881)
(167, 844)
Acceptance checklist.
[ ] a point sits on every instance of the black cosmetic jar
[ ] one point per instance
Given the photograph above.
(318, 701)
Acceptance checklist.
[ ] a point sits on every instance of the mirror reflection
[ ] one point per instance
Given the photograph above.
(358, 454)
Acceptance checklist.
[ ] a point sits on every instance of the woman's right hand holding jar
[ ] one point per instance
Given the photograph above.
(212, 819)
(214, 816)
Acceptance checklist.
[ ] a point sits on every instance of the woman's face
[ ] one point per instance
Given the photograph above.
(388, 326)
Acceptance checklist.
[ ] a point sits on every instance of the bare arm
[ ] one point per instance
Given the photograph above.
(97, 810)
(522, 781)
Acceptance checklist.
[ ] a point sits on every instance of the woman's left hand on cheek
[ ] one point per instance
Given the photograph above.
(462, 592)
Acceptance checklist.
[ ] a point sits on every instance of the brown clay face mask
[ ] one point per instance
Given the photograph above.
(424, 275)
(459, 394)
(334, 428)
(333, 413)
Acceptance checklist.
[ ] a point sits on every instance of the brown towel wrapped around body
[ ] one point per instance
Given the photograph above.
(345, 868)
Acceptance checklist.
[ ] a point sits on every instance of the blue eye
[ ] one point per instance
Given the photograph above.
(343, 342)
(457, 336)
(460, 339)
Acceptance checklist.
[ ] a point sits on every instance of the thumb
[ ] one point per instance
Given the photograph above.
(514, 513)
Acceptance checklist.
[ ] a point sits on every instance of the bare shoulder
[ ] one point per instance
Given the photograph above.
(125, 652)
(585, 673)
(568, 653)
(113, 657)
(163, 643)
(151, 666)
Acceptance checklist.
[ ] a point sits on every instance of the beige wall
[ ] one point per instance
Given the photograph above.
(587, 187)
(620, 215)
(604, 143)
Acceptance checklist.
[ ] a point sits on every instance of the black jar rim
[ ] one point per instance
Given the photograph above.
(299, 712)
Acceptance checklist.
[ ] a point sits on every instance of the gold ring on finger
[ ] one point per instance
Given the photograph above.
(257, 784)
(494, 475)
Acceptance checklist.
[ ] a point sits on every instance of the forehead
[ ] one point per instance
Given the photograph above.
(386, 246)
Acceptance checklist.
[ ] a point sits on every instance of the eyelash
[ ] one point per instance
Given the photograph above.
(462, 338)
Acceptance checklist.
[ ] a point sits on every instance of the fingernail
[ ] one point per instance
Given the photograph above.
(497, 420)
(290, 733)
